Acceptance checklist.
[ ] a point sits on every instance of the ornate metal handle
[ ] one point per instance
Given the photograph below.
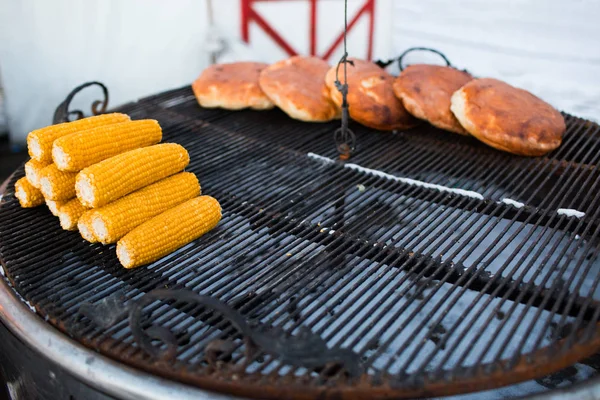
(423, 49)
(305, 349)
(62, 113)
(384, 64)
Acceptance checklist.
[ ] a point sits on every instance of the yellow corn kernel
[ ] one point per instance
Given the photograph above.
(113, 221)
(54, 206)
(39, 142)
(168, 231)
(70, 213)
(28, 195)
(78, 150)
(32, 171)
(85, 226)
(56, 184)
(125, 173)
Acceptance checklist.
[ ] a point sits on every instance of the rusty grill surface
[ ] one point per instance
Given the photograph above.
(447, 266)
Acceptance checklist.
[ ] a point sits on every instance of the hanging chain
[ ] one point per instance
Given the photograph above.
(345, 139)
(216, 45)
(211, 23)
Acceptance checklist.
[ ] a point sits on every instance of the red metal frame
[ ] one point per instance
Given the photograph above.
(249, 14)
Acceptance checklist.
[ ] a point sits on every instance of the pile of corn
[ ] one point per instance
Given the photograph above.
(109, 178)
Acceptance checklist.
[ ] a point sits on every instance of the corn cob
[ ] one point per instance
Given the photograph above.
(70, 213)
(168, 231)
(125, 173)
(56, 184)
(85, 226)
(78, 150)
(39, 142)
(54, 206)
(113, 221)
(28, 195)
(32, 171)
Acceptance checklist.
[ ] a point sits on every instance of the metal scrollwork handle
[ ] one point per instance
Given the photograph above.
(305, 349)
(384, 64)
(448, 64)
(62, 113)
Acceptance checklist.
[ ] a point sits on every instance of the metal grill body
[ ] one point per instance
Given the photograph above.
(446, 265)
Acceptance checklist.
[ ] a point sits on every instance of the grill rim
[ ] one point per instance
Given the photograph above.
(355, 391)
(133, 378)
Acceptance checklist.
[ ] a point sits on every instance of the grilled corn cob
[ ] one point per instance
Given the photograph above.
(70, 213)
(85, 226)
(125, 173)
(54, 206)
(32, 171)
(56, 184)
(28, 195)
(78, 150)
(39, 142)
(113, 221)
(168, 231)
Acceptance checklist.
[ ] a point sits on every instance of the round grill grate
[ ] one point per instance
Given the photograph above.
(444, 265)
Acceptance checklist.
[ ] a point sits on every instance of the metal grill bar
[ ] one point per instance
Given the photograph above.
(518, 280)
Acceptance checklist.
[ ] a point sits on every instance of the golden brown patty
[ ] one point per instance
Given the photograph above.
(508, 118)
(297, 86)
(232, 86)
(425, 91)
(371, 98)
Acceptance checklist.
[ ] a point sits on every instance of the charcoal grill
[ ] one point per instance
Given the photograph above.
(443, 265)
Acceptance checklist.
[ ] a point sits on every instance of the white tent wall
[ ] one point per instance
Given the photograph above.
(140, 47)
(3, 124)
(549, 47)
(135, 47)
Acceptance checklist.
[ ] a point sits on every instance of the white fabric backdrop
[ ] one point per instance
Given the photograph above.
(136, 47)
(550, 47)
(140, 47)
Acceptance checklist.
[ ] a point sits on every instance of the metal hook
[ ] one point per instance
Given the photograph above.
(345, 139)
(345, 142)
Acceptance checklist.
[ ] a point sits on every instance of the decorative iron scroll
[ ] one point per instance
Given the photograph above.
(305, 349)
(384, 64)
(62, 113)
